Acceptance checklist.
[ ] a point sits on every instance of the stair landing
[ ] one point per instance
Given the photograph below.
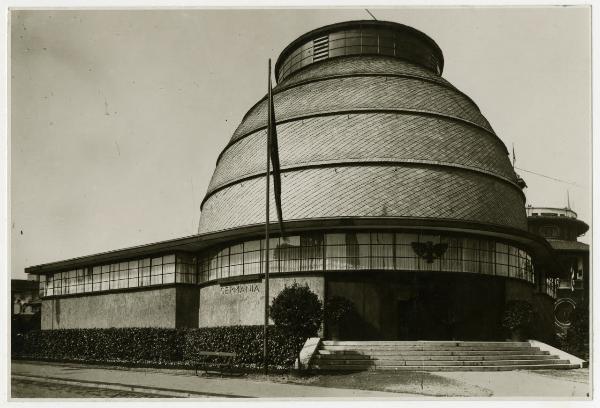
(434, 356)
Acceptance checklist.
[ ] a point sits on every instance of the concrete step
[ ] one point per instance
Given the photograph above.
(532, 350)
(434, 356)
(421, 343)
(448, 368)
(462, 363)
(367, 349)
(354, 357)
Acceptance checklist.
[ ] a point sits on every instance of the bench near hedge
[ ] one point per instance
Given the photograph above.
(224, 362)
(160, 347)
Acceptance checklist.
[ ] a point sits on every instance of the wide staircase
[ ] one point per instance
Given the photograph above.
(433, 356)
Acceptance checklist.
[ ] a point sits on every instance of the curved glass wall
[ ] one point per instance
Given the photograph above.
(359, 41)
(352, 251)
(311, 252)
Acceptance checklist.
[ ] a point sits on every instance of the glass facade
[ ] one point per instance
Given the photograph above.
(350, 251)
(338, 251)
(357, 42)
(159, 270)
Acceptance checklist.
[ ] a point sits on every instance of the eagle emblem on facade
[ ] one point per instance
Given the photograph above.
(428, 250)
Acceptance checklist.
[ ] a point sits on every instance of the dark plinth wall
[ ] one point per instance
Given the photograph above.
(436, 306)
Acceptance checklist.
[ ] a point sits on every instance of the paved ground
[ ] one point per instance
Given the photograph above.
(527, 384)
(415, 383)
(172, 381)
(125, 383)
(37, 389)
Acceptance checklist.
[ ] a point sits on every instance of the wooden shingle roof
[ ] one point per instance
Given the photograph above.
(367, 136)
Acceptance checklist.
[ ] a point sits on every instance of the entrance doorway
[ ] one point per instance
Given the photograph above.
(421, 306)
(408, 319)
(431, 313)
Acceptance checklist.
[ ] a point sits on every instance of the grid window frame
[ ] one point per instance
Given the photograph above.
(357, 250)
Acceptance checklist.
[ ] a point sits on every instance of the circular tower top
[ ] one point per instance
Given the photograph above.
(555, 223)
(365, 37)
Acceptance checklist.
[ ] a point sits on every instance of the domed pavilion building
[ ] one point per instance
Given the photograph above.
(397, 195)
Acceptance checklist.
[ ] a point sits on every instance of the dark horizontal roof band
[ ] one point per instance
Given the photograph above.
(366, 162)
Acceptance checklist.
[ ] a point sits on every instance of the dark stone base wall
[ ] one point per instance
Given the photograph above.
(434, 306)
(544, 306)
(546, 327)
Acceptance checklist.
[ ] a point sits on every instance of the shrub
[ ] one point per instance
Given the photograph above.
(518, 318)
(297, 310)
(518, 314)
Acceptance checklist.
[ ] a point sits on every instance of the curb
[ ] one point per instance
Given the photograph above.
(165, 392)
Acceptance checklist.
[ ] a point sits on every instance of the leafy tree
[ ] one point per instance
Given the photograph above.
(297, 310)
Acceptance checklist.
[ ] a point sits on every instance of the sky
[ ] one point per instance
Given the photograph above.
(117, 117)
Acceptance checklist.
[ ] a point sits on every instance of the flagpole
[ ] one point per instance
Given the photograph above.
(268, 181)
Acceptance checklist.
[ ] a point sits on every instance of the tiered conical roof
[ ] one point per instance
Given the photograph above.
(367, 131)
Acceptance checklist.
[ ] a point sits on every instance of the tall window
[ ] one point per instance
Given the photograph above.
(382, 250)
(289, 254)
(236, 260)
(312, 252)
(452, 261)
(501, 259)
(405, 254)
(335, 251)
(471, 252)
(252, 258)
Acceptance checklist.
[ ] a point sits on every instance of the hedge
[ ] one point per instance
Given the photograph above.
(158, 347)
(130, 345)
(246, 342)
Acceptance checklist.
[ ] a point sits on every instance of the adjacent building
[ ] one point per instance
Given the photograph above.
(561, 228)
(397, 195)
(26, 305)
